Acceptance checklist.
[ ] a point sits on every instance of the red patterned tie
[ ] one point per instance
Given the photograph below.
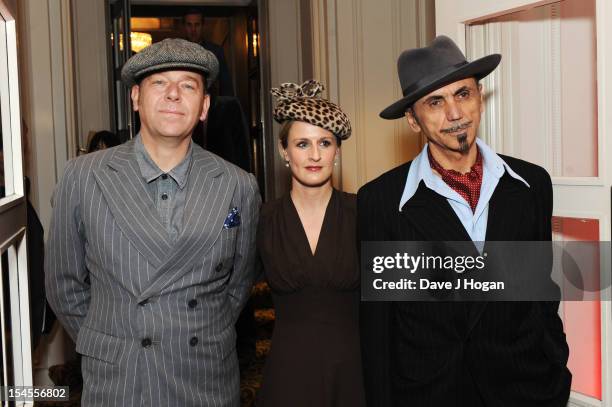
(467, 185)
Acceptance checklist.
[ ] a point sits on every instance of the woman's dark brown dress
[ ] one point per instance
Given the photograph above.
(315, 358)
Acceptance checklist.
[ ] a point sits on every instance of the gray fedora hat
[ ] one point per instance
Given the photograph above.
(170, 54)
(423, 70)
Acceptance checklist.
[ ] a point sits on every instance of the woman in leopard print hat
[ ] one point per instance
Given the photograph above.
(306, 241)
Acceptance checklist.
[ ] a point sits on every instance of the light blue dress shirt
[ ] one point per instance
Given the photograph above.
(475, 223)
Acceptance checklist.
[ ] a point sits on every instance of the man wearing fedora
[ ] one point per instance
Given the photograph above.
(458, 189)
(151, 250)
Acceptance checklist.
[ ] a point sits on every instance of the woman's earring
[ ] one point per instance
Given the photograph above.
(287, 163)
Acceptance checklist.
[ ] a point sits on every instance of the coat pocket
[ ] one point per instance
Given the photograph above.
(98, 345)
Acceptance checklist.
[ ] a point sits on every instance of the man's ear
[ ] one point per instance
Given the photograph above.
(135, 95)
(205, 107)
(481, 91)
(412, 121)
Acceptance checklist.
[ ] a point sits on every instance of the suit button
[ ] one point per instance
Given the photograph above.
(193, 341)
(164, 196)
(219, 267)
(146, 342)
(193, 303)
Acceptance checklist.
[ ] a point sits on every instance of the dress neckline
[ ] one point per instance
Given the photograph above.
(324, 226)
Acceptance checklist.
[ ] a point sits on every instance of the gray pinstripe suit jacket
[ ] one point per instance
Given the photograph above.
(115, 279)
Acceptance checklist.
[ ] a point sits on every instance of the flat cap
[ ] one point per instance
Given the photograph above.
(170, 54)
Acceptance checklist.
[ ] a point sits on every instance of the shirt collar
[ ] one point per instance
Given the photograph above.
(150, 171)
(420, 170)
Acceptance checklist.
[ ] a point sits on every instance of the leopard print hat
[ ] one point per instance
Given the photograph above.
(303, 103)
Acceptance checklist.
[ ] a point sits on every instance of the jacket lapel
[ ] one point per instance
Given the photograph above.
(505, 208)
(432, 217)
(503, 221)
(208, 202)
(135, 213)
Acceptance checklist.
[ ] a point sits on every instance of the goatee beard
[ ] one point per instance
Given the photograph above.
(464, 146)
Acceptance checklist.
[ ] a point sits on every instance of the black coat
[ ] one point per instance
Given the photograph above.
(226, 132)
(226, 87)
(452, 353)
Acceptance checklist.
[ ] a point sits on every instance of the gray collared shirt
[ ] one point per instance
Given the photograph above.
(167, 190)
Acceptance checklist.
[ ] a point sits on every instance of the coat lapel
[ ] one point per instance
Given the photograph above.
(505, 209)
(432, 217)
(124, 190)
(208, 202)
(434, 220)
(503, 221)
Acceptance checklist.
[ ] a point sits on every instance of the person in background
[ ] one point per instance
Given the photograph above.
(41, 314)
(306, 241)
(101, 140)
(193, 24)
(227, 132)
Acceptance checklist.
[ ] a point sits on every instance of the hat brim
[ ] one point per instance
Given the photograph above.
(477, 69)
(170, 66)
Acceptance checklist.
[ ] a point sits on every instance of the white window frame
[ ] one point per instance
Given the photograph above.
(13, 212)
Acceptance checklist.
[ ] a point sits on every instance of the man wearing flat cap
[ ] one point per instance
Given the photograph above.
(429, 354)
(150, 256)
